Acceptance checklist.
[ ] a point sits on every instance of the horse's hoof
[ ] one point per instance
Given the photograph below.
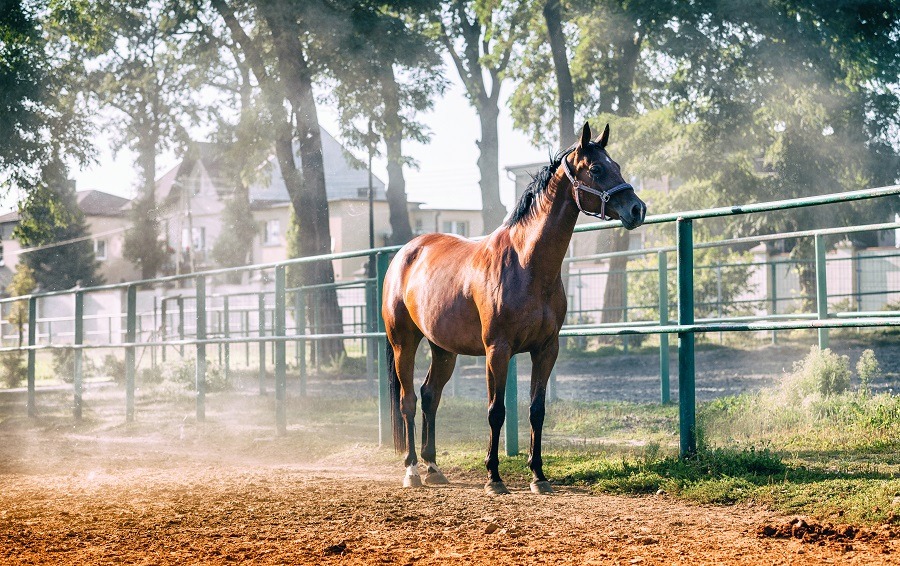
(496, 488)
(435, 477)
(412, 481)
(541, 487)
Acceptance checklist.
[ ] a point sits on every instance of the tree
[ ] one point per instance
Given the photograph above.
(22, 283)
(53, 231)
(141, 77)
(42, 122)
(12, 364)
(480, 36)
(738, 101)
(278, 59)
(381, 45)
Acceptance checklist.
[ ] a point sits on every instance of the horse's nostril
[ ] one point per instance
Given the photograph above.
(636, 211)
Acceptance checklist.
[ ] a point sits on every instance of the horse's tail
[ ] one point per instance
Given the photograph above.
(397, 426)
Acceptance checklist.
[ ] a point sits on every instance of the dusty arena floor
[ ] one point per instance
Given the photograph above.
(201, 493)
(167, 489)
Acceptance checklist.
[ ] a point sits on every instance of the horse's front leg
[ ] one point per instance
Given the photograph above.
(498, 356)
(541, 365)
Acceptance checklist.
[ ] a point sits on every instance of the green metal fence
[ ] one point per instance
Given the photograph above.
(278, 335)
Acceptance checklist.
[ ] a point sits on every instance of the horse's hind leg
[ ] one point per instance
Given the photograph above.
(442, 364)
(404, 359)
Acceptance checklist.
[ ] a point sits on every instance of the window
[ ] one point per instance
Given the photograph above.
(100, 249)
(459, 227)
(272, 233)
(420, 226)
(197, 239)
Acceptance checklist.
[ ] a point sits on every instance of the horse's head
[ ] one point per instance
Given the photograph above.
(597, 182)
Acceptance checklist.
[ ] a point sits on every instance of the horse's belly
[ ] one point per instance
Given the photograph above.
(454, 325)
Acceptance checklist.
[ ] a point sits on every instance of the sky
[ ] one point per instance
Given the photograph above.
(448, 172)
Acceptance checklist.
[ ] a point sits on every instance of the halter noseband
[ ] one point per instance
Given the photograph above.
(578, 186)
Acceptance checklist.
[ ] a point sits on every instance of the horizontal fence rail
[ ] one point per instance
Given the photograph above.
(277, 317)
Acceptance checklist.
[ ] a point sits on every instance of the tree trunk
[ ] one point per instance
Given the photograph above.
(565, 90)
(307, 190)
(492, 211)
(401, 231)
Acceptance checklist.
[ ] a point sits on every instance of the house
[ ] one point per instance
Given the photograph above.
(106, 222)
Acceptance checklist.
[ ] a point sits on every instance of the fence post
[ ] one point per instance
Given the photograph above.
(262, 345)
(821, 289)
(664, 388)
(130, 337)
(512, 407)
(686, 385)
(153, 330)
(226, 333)
(371, 326)
(180, 301)
(382, 260)
(301, 344)
(79, 340)
(625, 307)
(165, 325)
(32, 340)
(280, 351)
(201, 348)
(773, 295)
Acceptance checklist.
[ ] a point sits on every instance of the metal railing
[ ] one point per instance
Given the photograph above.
(685, 325)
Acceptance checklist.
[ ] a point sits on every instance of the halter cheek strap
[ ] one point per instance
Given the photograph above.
(578, 186)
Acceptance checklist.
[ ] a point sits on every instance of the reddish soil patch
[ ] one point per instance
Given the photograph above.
(137, 494)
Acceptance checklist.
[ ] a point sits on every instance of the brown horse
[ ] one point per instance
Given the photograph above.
(496, 297)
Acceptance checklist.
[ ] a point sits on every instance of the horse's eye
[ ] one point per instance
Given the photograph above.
(597, 170)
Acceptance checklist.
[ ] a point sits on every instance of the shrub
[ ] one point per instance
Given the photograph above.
(185, 375)
(821, 372)
(868, 369)
(113, 367)
(12, 364)
(64, 364)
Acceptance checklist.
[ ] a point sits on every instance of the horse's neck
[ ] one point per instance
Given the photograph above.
(542, 241)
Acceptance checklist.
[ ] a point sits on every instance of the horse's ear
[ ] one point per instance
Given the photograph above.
(585, 135)
(604, 137)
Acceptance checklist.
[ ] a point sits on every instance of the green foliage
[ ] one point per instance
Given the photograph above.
(721, 276)
(64, 364)
(142, 244)
(184, 374)
(22, 283)
(113, 367)
(231, 248)
(821, 372)
(48, 216)
(12, 366)
(42, 120)
(868, 370)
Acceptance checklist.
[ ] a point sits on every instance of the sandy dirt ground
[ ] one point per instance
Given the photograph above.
(204, 494)
(169, 490)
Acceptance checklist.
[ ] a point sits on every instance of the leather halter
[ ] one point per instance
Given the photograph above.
(578, 186)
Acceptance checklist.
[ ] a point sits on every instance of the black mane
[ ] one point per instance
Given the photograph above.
(539, 181)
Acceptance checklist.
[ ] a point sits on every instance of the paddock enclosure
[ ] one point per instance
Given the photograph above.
(195, 418)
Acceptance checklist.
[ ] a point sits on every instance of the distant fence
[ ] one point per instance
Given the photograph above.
(177, 313)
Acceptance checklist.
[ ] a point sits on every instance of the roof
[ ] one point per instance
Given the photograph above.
(343, 180)
(98, 203)
(9, 217)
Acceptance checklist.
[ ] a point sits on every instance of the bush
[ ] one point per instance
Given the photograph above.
(12, 364)
(185, 375)
(113, 367)
(821, 372)
(64, 364)
(868, 369)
